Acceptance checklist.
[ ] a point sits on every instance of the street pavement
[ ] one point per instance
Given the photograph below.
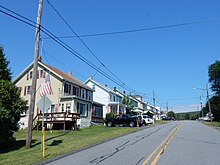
(175, 143)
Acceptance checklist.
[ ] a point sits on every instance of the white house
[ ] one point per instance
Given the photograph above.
(111, 99)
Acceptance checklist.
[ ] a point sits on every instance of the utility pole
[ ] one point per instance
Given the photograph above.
(167, 106)
(207, 93)
(201, 105)
(154, 106)
(34, 79)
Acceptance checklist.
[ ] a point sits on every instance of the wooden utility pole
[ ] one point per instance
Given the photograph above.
(201, 105)
(154, 106)
(34, 79)
(209, 105)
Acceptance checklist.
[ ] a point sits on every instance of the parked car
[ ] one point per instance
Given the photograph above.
(147, 120)
(124, 119)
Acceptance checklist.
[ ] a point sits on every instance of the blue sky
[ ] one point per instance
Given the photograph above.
(168, 61)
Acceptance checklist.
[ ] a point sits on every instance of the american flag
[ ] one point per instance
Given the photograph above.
(46, 87)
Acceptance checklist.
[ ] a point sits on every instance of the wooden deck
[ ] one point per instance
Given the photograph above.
(57, 120)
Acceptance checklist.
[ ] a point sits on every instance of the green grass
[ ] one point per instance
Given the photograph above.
(57, 143)
(213, 124)
(161, 122)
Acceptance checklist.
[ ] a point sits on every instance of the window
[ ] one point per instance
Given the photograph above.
(62, 107)
(81, 109)
(68, 107)
(31, 74)
(75, 91)
(28, 90)
(97, 111)
(67, 88)
(89, 95)
(41, 73)
(52, 108)
(83, 93)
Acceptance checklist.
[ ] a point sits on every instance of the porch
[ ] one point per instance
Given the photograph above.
(57, 120)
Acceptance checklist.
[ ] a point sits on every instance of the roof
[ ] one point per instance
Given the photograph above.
(55, 71)
(102, 86)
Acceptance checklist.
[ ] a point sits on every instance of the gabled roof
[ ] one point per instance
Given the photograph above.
(107, 89)
(61, 75)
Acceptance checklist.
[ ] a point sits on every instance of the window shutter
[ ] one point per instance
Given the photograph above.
(44, 74)
(25, 91)
(27, 76)
(38, 74)
(87, 110)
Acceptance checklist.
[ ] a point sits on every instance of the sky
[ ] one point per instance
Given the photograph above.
(165, 62)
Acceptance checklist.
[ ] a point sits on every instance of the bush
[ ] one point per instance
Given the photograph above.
(109, 115)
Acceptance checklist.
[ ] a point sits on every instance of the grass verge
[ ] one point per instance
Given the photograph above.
(57, 143)
(213, 124)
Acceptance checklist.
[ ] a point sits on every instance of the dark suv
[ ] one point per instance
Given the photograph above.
(125, 119)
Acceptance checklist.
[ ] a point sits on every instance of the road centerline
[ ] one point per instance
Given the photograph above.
(163, 145)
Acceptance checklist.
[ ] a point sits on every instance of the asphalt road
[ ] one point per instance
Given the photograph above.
(175, 143)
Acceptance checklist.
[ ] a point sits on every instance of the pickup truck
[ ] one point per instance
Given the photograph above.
(125, 119)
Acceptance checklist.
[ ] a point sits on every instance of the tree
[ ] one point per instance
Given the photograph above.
(215, 105)
(11, 105)
(214, 77)
(187, 116)
(5, 72)
(127, 101)
(171, 115)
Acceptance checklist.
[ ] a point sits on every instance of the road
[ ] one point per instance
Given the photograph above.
(175, 143)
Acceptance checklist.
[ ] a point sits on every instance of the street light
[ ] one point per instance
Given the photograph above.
(207, 96)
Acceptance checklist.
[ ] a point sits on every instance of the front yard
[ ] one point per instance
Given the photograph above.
(57, 143)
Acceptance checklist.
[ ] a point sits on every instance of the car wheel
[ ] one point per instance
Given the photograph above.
(131, 124)
(109, 124)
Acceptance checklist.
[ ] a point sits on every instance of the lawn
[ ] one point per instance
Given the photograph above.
(57, 143)
(213, 124)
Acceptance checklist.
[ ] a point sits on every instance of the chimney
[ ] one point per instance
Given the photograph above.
(70, 73)
(124, 92)
(115, 89)
(39, 58)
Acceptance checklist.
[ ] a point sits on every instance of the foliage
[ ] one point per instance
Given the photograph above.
(215, 107)
(191, 115)
(5, 72)
(187, 116)
(11, 105)
(109, 115)
(127, 101)
(214, 77)
(171, 115)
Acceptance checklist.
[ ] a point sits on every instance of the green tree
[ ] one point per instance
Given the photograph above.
(171, 115)
(5, 72)
(214, 77)
(127, 101)
(215, 107)
(187, 116)
(11, 105)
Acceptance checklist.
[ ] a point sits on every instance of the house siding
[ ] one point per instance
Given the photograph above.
(57, 85)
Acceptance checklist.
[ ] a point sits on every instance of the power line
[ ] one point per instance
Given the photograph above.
(63, 44)
(142, 29)
(102, 64)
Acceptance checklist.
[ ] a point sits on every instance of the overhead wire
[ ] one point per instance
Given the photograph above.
(142, 29)
(89, 49)
(61, 43)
